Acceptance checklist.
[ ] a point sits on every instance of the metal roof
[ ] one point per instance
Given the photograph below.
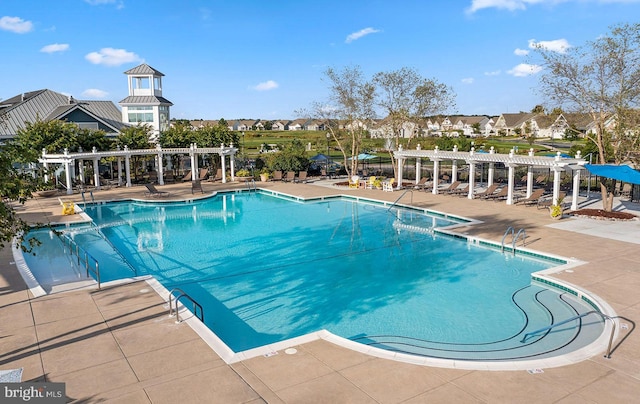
(143, 69)
(145, 99)
(46, 105)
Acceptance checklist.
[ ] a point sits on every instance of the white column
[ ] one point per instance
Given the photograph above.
(96, 173)
(224, 165)
(472, 178)
(81, 173)
(127, 166)
(194, 162)
(454, 171)
(491, 170)
(576, 189)
(45, 164)
(418, 169)
(67, 176)
(556, 183)
(119, 171)
(510, 184)
(436, 174)
(160, 166)
(400, 173)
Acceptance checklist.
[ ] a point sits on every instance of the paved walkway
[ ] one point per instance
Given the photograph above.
(118, 345)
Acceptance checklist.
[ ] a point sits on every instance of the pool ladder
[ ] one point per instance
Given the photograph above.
(84, 202)
(251, 185)
(514, 239)
(182, 294)
(400, 197)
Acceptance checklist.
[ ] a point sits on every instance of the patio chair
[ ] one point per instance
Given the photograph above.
(502, 194)
(387, 186)
(371, 183)
(153, 192)
(277, 175)
(302, 177)
(217, 177)
(422, 184)
(187, 176)
(196, 186)
(547, 202)
(168, 177)
(533, 198)
(291, 176)
(204, 172)
(451, 187)
(490, 190)
(460, 191)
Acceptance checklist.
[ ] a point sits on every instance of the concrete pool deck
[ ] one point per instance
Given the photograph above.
(118, 344)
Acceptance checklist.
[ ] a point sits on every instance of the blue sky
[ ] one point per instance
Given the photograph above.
(263, 59)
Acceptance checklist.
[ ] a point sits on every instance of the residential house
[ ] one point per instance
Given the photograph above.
(511, 124)
(48, 105)
(279, 125)
(296, 124)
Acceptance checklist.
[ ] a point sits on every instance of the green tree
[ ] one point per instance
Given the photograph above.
(407, 97)
(600, 78)
(53, 136)
(136, 137)
(293, 157)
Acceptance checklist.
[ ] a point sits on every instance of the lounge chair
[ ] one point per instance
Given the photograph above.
(490, 190)
(168, 177)
(451, 187)
(387, 186)
(291, 176)
(533, 198)
(547, 202)
(218, 176)
(460, 191)
(422, 184)
(502, 194)
(277, 175)
(187, 176)
(152, 191)
(204, 172)
(302, 177)
(196, 186)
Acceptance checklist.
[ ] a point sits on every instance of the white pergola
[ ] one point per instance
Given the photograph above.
(556, 164)
(68, 161)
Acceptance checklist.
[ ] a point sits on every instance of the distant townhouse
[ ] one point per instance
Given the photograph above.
(279, 125)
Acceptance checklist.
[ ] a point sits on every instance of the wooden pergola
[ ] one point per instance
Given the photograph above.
(124, 156)
(556, 164)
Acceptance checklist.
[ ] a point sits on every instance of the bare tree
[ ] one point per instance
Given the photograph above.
(349, 112)
(406, 97)
(601, 78)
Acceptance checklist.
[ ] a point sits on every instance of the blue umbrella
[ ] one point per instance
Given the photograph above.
(319, 157)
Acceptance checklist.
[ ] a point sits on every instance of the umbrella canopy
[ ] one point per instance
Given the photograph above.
(364, 156)
(319, 157)
(622, 173)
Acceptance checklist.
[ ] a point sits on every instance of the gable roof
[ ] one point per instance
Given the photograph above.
(47, 105)
(144, 69)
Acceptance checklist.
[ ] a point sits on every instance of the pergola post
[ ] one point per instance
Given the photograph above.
(96, 173)
(436, 175)
(194, 161)
(67, 172)
(224, 165)
(418, 166)
(472, 175)
(556, 183)
(160, 165)
(232, 163)
(576, 189)
(127, 165)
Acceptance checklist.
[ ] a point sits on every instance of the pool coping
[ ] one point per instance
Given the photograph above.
(230, 357)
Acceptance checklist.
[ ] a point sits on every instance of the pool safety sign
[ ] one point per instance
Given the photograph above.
(33, 393)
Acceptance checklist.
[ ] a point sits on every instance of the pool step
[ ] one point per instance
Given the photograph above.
(550, 307)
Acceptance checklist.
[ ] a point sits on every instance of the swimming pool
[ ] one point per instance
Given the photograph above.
(267, 268)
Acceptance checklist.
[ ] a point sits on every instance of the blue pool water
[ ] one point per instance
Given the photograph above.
(267, 268)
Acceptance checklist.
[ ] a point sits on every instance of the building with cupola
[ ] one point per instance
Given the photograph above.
(145, 103)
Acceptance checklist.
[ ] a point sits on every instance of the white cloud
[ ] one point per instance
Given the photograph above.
(557, 45)
(467, 80)
(513, 5)
(524, 70)
(266, 86)
(94, 93)
(55, 47)
(520, 52)
(363, 32)
(15, 24)
(493, 73)
(112, 57)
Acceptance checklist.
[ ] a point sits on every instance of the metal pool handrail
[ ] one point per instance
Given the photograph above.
(86, 257)
(604, 317)
(400, 197)
(182, 294)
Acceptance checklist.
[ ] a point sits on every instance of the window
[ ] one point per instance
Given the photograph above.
(135, 117)
(87, 125)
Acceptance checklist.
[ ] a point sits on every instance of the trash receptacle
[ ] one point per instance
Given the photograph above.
(68, 208)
